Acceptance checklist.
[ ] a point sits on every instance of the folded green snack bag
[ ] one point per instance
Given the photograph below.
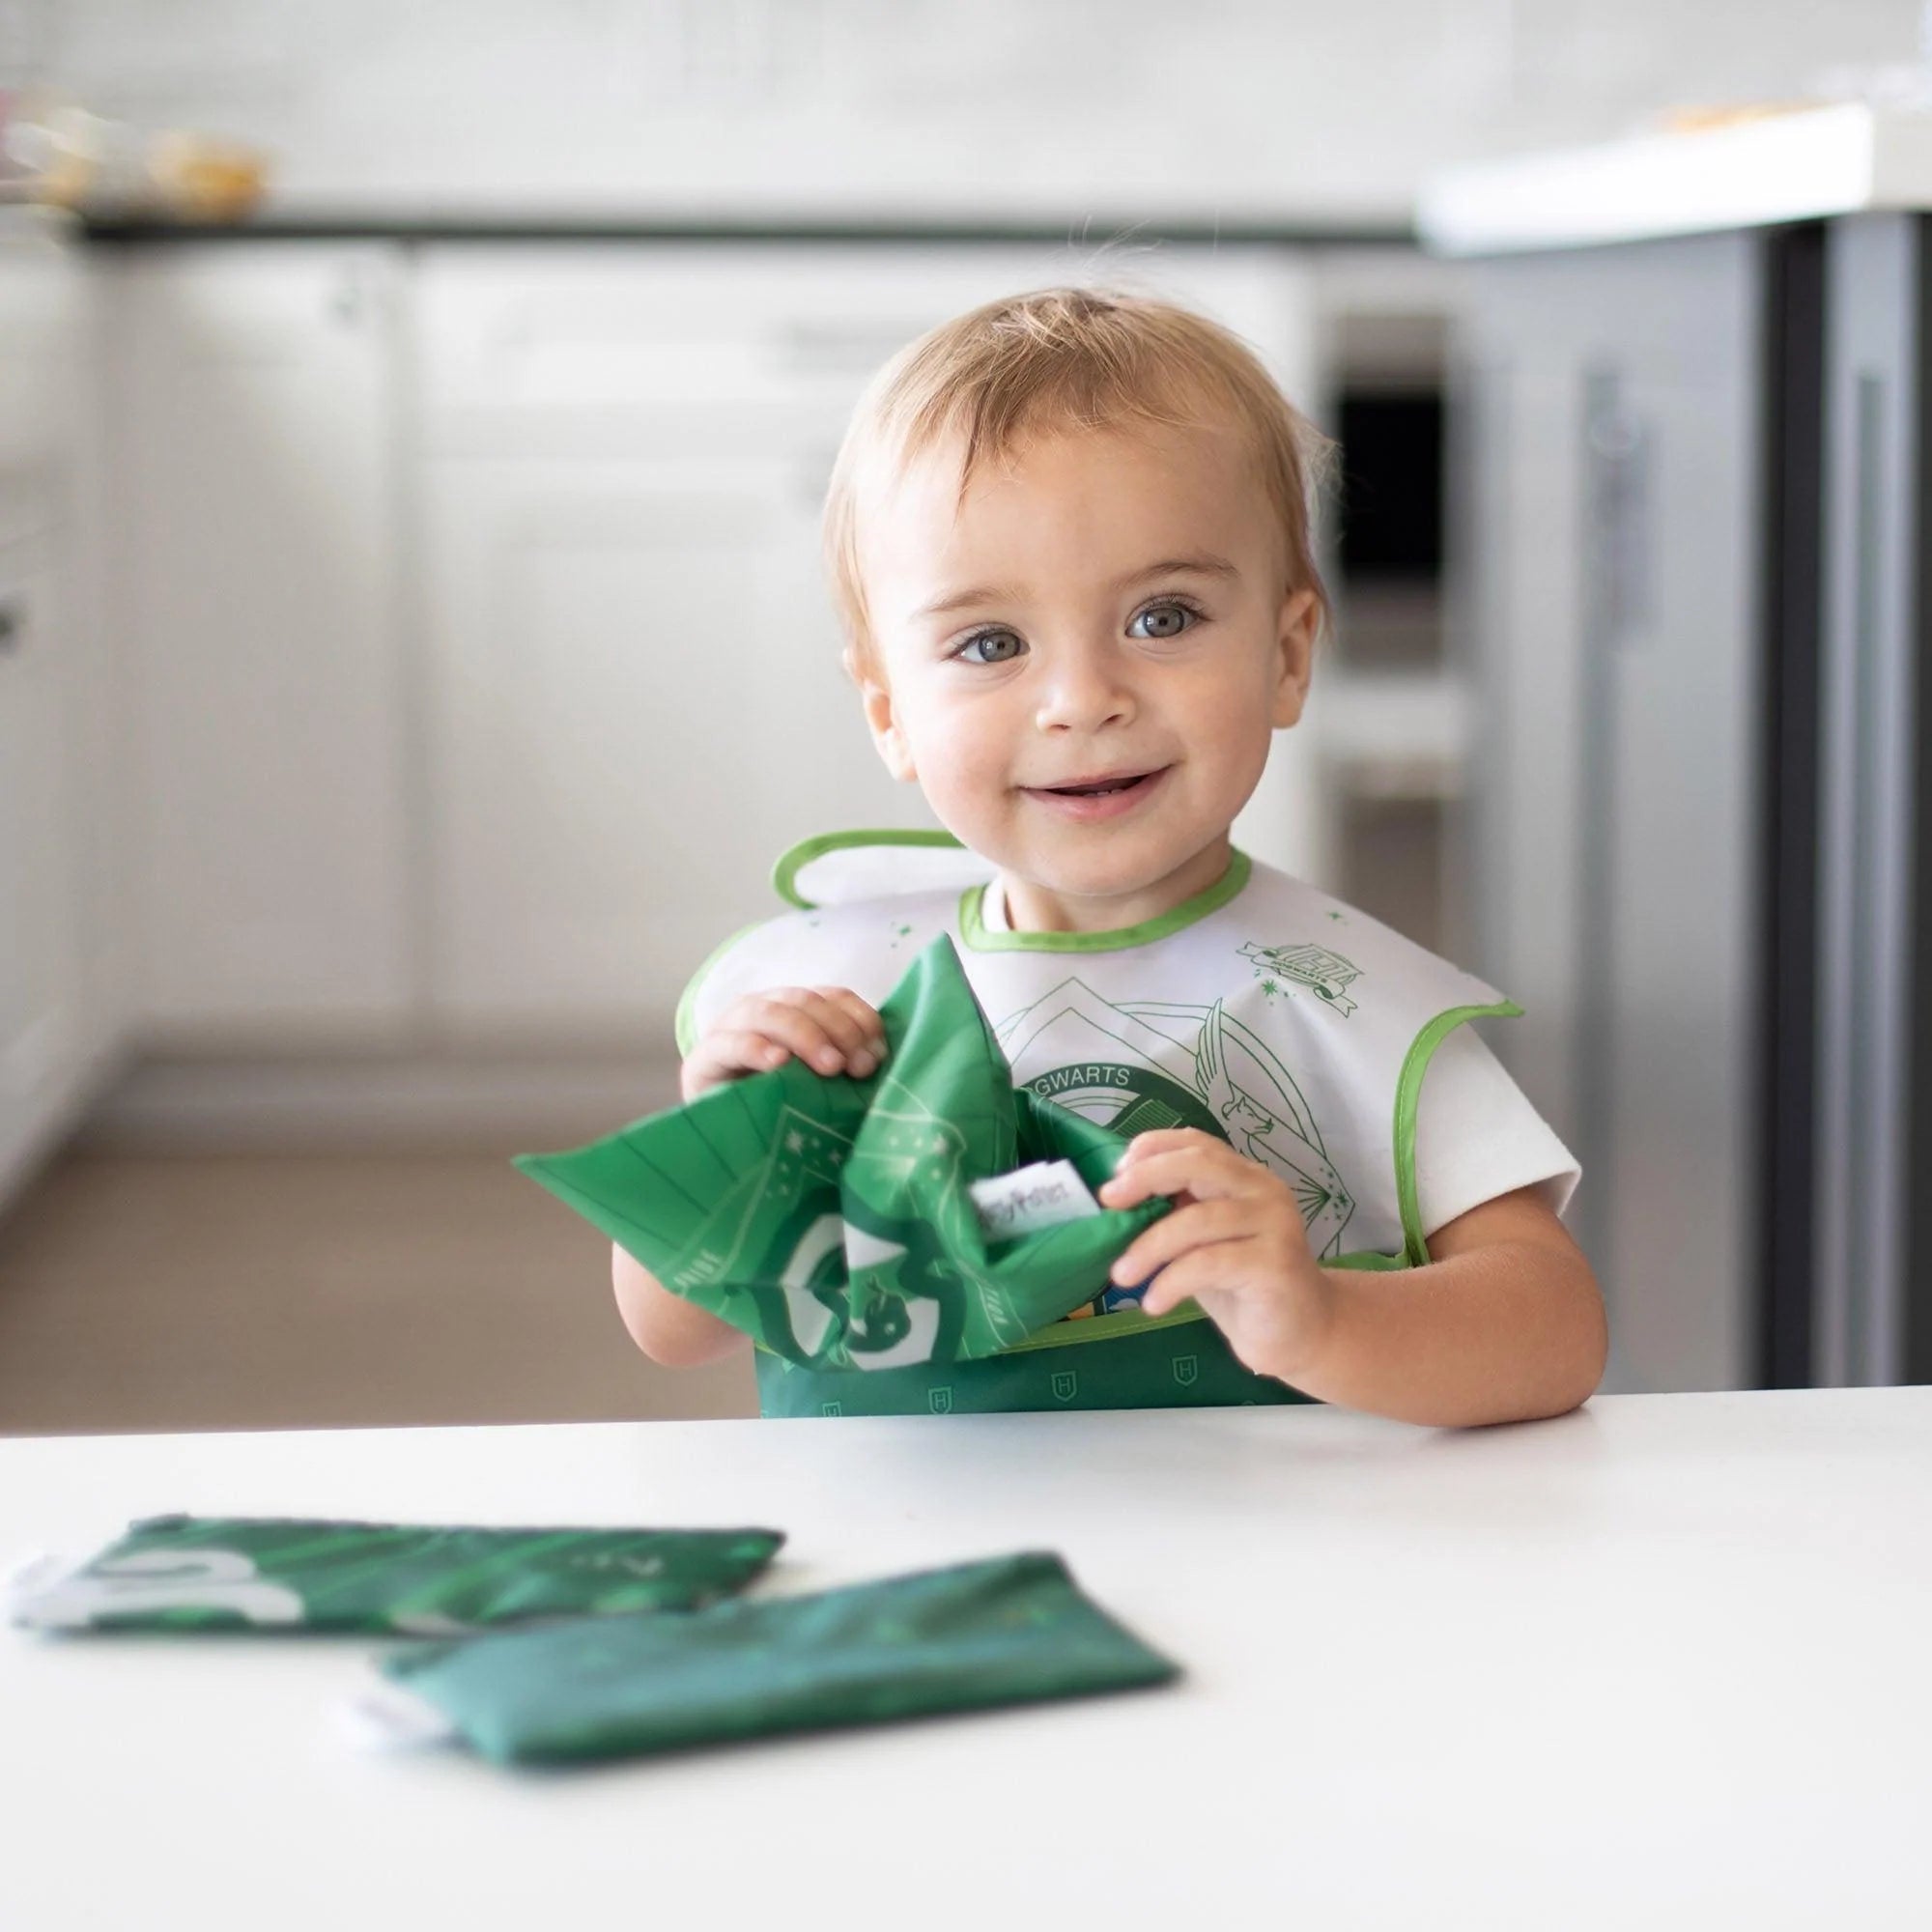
(1010, 1631)
(830, 1218)
(183, 1573)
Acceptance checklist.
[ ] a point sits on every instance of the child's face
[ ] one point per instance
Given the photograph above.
(1111, 606)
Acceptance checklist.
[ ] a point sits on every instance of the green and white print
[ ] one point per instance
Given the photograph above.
(183, 1573)
(1324, 973)
(832, 1219)
(1141, 1065)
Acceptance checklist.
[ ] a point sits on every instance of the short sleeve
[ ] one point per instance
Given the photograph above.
(1477, 1136)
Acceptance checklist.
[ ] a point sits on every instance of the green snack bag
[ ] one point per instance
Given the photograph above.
(1011, 1631)
(183, 1573)
(832, 1219)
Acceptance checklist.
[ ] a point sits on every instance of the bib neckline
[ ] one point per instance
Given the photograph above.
(973, 928)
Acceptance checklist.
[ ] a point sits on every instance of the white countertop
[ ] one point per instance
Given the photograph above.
(1787, 167)
(1664, 1661)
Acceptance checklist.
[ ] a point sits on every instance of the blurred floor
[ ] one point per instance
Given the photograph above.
(302, 1292)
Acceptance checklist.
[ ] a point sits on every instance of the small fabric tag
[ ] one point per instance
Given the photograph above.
(1026, 1201)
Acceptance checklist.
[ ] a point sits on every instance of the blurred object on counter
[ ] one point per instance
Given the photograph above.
(201, 178)
(55, 152)
(1701, 117)
(1905, 85)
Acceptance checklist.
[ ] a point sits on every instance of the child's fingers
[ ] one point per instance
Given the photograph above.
(734, 1050)
(1194, 1226)
(842, 1018)
(1206, 1169)
(722, 1054)
(871, 1028)
(821, 1034)
(1218, 1266)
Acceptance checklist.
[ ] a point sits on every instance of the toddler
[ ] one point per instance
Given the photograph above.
(1068, 539)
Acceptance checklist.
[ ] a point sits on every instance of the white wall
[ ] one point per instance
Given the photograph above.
(1060, 109)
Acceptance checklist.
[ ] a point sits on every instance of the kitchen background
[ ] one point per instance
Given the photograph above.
(413, 655)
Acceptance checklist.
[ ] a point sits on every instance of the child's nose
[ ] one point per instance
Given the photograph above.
(1082, 692)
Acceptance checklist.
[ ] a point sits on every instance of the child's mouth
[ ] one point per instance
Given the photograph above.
(1103, 798)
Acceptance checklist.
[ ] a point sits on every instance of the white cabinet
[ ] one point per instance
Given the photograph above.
(637, 705)
(634, 694)
(478, 661)
(57, 1016)
(44, 1023)
(258, 577)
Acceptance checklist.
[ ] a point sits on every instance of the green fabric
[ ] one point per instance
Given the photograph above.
(183, 1573)
(1122, 938)
(1186, 1365)
(1408, 1104)
(1120, 1360)
(1015, 1630)
(748, 1200)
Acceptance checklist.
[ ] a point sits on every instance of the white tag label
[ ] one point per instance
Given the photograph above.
(1030, 1199)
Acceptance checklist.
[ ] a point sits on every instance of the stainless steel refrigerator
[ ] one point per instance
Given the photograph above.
(1687, 514)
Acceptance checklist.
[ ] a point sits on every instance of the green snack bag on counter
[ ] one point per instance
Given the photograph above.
(1013, 1630)
(834, 1219)
(183, 1573)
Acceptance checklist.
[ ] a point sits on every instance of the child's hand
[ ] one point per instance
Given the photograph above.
(1234, 1243)
(829, 1028)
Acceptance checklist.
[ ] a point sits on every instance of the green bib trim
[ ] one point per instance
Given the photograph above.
(1408, 1098)
(1121, 939)
(790, 863)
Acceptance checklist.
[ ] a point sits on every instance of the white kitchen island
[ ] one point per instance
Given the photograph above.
(1661, 1662)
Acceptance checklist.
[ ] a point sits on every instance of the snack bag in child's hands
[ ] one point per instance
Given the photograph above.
(833, 1219)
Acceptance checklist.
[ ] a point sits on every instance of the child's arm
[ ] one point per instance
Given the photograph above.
(828, 1027)
(666, 1327)
(1504, 1323)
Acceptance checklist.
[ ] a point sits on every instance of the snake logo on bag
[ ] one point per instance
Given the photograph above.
(873, 1286)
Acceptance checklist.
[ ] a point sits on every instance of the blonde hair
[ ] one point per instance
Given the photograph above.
(1060, 359)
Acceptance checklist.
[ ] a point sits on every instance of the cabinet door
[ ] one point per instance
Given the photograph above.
(636, 699)
(1615, 553)
(639, 706)
(44, 1031)
(59, 1013)
(268, 707)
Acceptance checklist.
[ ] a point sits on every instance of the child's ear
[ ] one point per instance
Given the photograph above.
(881, 720)
(1295, 632)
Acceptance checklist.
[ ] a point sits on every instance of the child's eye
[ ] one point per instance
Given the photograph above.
(998, 646)
(1163, 620)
